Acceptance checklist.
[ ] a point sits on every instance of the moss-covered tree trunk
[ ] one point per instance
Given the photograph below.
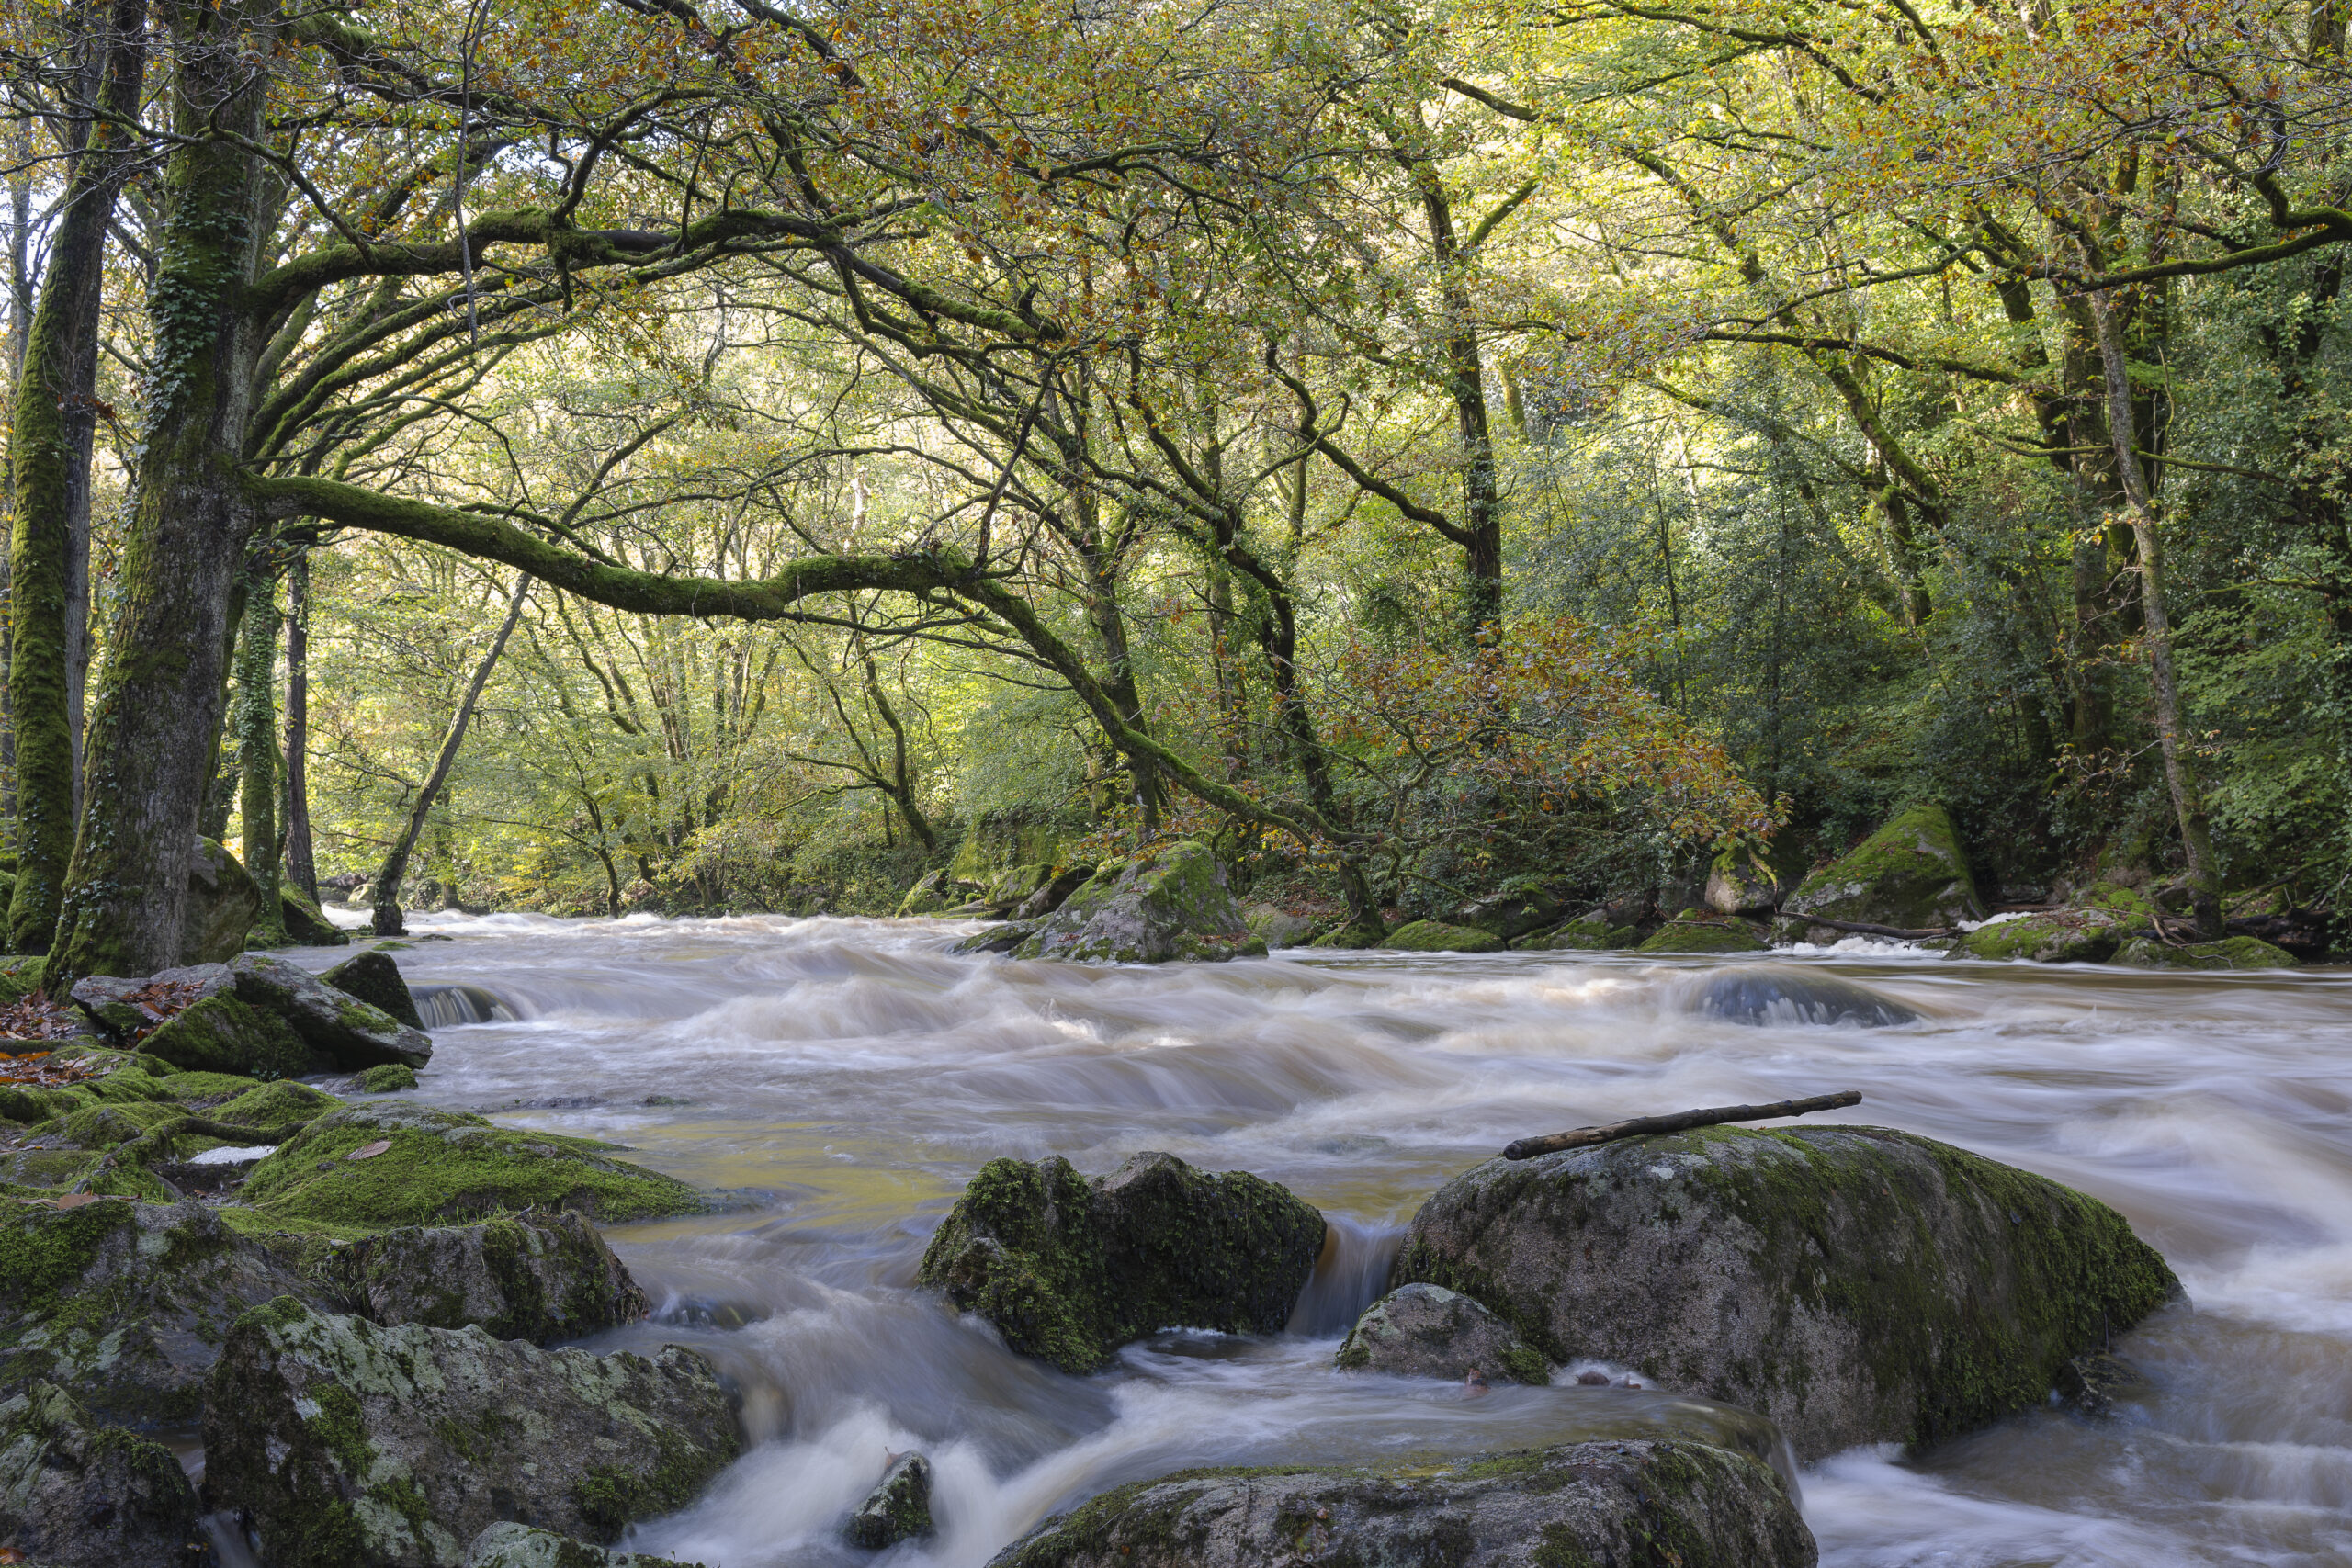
(153, 721)
(301, 862)
(255, 728)
(56, 420)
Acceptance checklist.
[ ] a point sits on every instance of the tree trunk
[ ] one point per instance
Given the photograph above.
(388, 875)
(56, 422)
(256, 731)
(301, 863)
(152, 727)
(2180, 774)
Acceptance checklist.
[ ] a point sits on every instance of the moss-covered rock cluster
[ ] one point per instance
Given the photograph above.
(353, 1446)
(75, 1494)
(531, 1276)
(1070, 1268)
(1856, 1285)
(1168, 904)
(1695, 931)
(1436, 936)
(1579, 1506)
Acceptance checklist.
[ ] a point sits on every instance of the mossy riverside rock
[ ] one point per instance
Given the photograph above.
(1585, 933)
(2231, 952)
(1169, 903)
(1639, 1503)
(1854, 1284)
(222, 1034)
(76, 1495)
(1428, 1331)
(124, 1305)
(353, 1446)
(1910, 875)
(2089, 931)
(440, 1166)
(306, 923)
(1691, 932)
(1070, 1268)
(222, 904)
(536, 1277)
(339, 1026)
(375, 979)
(1436, 936)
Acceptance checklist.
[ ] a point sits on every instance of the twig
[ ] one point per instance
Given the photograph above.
(1682, 1121)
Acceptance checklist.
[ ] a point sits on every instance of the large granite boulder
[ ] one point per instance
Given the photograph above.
(124, 1305)
(375, 979)
(1171, 902)
(353, 1446)
(76, 1495)
(222, 904)
(1277, 927)
(340, 1027)
(383, 1164)
(1070, 1268)
(1428, 1331)
(1587, 1503)
(1854, 1284)
(1910, 875)
(536, 1277)
(223, 1034)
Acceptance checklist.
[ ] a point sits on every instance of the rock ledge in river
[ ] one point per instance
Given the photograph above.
(1854, 1284)
(1070, 1269)
(1625, 1503)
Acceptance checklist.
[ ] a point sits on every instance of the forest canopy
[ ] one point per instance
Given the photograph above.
(645, 455)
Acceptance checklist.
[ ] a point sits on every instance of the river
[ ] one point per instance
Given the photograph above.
(840, 1079)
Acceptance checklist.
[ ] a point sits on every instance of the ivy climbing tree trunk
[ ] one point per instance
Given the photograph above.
(388, 876)
(155, 718)
(255, 728)
(56, 420)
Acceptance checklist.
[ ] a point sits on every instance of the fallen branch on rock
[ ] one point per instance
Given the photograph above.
(138, 1151)
(1682, 1121)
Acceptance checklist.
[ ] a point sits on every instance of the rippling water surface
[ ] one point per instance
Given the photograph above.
(842, 1078)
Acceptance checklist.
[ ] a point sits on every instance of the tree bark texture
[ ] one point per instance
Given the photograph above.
(256, 727)
(301, 861)
(56, 421)
(156, 717)
(388, 876)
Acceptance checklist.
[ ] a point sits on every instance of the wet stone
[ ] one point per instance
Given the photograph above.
(1428, 1331)
(536, 1277)
(898, 1509)
(1765, 994)
(76, 1495)
(510, 1545)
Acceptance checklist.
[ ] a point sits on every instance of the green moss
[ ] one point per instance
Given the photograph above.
(223, 1034)
(277, 1105)
(444, 1167)
(610, 1499)
(1351, 937)
(104, 1126)
(20, 976)
(2232, 953)
(1436, 936)
(387, 1078)
(1690, 932)
(43, 1250)
(206, 1088)
(2055, 936)
(1911, 874)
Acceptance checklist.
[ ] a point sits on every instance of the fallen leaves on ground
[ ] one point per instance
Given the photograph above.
(35, 1017)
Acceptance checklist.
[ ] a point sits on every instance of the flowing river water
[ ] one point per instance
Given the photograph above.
(840, 1081)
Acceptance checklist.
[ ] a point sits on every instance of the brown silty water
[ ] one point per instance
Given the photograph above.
(840, 1079)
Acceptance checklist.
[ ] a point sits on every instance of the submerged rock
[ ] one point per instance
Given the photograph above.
(1856, 1285)
(1171, 902)
(1070, 1268)
(345, 1030)
(124, 1305)
(353, 1446)
(1784, 993)
(1428, 1331)
(1693, 932)
(1436, 936)
(1910, 875)
(536, 1277)
(437, 1166)
(221, 905)
(511, 1545)
(898, 1509)
(2231, 952)
(375, 979)
(1631, 1503)
(76, 1495)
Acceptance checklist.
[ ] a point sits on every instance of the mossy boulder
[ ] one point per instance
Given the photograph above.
(1643, 1502)
(1436, 936)
(376, 979)
(222, 1034)
(75, 1494)
(2231, 952)
(389, 1077)
(305, 923)
(340, 1027)
(1519, 906)
(1585, 933)
(1070, 1268)
(353, 1446)
(510, 1545)
(222, 904)
(1351, 936)
(124, 1305)
(1911, 875)
(536, 1277)
(440, 1166)
(1743, 887)
(1428, 1331)
(2078, 935)
(1693, 932)
(898, 1509)
(1854, 1284)
(1278, 927)
(1168, 904)
(1053, 892)
(276, 1106)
